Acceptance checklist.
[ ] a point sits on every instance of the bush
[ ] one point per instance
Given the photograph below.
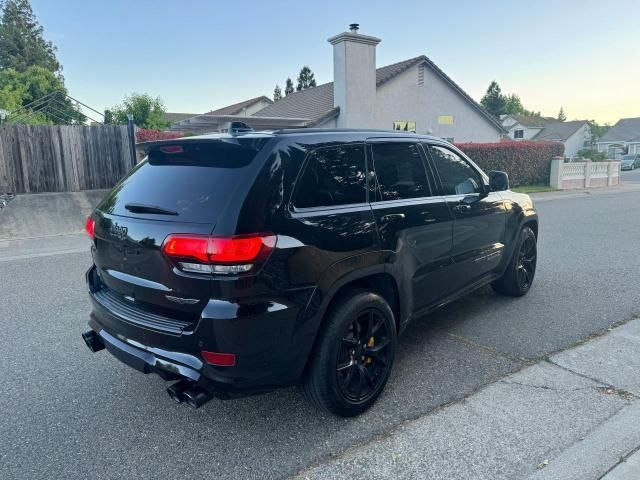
(592, 154)
(144, 135)
(526, 163)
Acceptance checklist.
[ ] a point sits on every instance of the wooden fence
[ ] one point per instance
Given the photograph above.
(63, 158)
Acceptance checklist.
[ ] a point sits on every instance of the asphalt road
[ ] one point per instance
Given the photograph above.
(67, 413)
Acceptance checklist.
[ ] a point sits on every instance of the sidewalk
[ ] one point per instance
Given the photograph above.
(625, 187)
(575, 415)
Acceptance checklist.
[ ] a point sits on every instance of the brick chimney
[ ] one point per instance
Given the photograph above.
(354, 78)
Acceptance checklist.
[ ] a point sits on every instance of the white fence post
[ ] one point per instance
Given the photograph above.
(556, 173)
(587, 173)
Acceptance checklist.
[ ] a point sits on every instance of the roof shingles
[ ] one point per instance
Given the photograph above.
(625, 130)
(238, 107)
(559, 131)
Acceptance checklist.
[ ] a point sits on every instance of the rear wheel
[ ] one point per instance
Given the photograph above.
(354, 355)
(518, 277)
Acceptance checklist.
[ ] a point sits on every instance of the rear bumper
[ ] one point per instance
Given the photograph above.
(270, 346)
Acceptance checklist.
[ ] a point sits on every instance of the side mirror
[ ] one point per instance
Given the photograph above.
(498, 181)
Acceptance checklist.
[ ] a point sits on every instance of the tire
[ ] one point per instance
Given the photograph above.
(341, 378)
(518, 277)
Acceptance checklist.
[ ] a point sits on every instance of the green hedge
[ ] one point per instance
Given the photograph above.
(526, 163)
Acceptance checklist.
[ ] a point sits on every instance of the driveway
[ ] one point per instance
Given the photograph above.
(66, 413)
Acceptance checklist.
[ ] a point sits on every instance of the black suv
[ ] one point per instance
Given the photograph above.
(240, 263)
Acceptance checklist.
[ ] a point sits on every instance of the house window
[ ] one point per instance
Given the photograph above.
(405, 125)
(518, 134)
(445, 119)
(421, 75)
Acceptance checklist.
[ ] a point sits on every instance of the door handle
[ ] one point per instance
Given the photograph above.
(392, 217)
(428, 217)
(462, 208)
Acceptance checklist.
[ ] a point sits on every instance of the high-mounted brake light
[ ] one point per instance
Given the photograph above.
(171, 149)
(222, 255)
(90, 227)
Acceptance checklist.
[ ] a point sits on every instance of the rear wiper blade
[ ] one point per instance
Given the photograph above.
(142, 208)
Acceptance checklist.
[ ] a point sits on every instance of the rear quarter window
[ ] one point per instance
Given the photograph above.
(332, 176)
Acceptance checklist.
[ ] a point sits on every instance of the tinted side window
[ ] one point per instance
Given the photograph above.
(456, 175)
(400, 171)
(333, 176)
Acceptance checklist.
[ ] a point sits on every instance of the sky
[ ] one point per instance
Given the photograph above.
(197, 55)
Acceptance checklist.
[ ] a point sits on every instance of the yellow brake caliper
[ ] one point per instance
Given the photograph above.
(370, 343)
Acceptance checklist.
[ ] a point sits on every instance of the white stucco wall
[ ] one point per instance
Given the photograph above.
(576, 141)
(402, 99)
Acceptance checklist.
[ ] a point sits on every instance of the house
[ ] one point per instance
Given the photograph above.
(524, 127)
(413, 95)
(575, 135)
(623, 137)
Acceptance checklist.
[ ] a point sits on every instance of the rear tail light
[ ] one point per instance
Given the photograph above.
(220, 255)
(219, 359)
(90, 227)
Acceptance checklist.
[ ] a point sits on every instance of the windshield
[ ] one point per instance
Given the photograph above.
(629, 157)
(189, 181)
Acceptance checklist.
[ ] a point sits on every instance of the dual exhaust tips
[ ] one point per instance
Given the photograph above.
(182, 391)
(189, 393)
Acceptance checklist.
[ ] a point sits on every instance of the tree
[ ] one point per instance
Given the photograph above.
(597, 130)
(148, 112)
(306, 79)
(493, 100)
(277, 93)
(513, 105)
(22, 44)
(561, 115)
(41, 92)
(288, 87)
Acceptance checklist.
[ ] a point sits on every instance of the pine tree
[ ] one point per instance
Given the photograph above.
(288, 87)
(561, 115)
(22, 44)
(493, 100)
(306, 79)
(277, 93)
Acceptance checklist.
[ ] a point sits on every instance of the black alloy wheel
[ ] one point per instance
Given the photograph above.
(363, 358)
(353, 356)
(526, 266)
(518, 275)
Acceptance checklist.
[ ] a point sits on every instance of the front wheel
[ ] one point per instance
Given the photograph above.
(353, 358)
(518, 277)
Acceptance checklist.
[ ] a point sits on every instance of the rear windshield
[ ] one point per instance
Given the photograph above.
(192, 180)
